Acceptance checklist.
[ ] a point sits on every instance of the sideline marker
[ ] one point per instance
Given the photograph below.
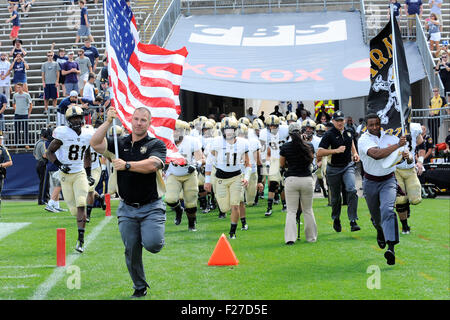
(108, 205)
(60, 247)
(223, 254)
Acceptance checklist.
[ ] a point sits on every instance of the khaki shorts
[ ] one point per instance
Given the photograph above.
(274, 171)
(187, 185)
(96, 173)
(409, 182)
(229, 192)
(250, 191)
(75, 188)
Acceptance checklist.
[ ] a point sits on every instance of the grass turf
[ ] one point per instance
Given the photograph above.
(337, 266)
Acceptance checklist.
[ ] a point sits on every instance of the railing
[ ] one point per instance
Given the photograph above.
(154, 15)
(436, 121)
(427, 58)
(166, 23)
(269, 5)
(22, 133)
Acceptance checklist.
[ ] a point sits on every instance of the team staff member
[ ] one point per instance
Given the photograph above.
(338, 142)
(5, 162)
(298, 156)
(379, 184)
(141, 212)
(425, 149)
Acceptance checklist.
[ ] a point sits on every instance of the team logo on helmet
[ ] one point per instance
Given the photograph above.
(272, 120)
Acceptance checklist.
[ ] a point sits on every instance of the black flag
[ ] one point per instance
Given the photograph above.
(383, 97)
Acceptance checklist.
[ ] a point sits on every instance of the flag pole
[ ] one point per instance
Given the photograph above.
(396, 74)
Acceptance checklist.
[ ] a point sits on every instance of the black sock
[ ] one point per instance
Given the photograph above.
(81, 235)
(88, 211)
(178, 209)
(269, 204)
(243, 221)
(283, 202)
(233, 228)
(202, 201)
(404, 223)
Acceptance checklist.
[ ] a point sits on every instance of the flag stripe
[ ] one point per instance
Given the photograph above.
(143, 75)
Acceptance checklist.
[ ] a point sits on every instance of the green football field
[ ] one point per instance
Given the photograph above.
(348, 265)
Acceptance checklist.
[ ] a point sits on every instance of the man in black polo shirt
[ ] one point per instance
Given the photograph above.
(338, 142)
(141, 212)
(5, 162)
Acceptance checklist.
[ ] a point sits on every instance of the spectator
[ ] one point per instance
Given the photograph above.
(413, 7)
(15, 20)
(17, 48)
(435, 7)
(250, 114)
(71, 70)
(436, 103)
(38, 153)
(14, 3)
(62, 108)
(350, 126)
(443, 68)
(20, 68)
(5, 162)
(427, 146)
(397, 9)
(92, 53)
(262, 116)
(277, 112)
(84, 30)
(90, 98)
(433, 27)
(61, 58)
(322, 112)
(360, 126)
(22, 105)
(85, 69)
(303, 115)
(5, 83)
(50, 80)
(26, 6)
(106, 94)
(3, 104)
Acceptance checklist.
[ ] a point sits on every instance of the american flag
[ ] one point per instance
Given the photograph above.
(143, 75)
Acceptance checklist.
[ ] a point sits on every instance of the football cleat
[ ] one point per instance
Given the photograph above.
(79, 246)
(232, 235)
(244, 227)
(268, 213)
(222, 215)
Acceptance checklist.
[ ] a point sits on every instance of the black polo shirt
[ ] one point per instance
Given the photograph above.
(137, 187)
(4, 157)
(425, 145)
(334, 138)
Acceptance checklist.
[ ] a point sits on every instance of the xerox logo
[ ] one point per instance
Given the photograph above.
(255, 74)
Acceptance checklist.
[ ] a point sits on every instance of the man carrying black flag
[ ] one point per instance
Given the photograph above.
(381, 150)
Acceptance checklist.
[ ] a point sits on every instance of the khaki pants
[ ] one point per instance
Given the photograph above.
(409, 182)
(303, 188)
(250, 191)
(187, 184)
(229, 192)
(75, 190)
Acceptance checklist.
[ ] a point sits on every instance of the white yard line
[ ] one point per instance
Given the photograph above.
(20, 277)
(42, 291)
(6, 228)
(38, 266)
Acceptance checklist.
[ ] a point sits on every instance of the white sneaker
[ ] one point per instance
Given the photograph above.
(51, 209)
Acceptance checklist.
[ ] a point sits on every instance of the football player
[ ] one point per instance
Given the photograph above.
(70, 152)
(208, 134)
(229, 153)
(406, 174)
(321, 163)
(96, 170)
(254, 145)
(258, 126)
(291, 117)
(274, 137)
(183, 177)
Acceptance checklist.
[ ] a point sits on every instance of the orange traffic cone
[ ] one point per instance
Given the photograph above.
(223, 254)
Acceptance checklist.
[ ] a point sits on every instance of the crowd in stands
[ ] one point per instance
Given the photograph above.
(68, 74)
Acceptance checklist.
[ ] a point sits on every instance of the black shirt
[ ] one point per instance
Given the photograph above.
(297, 167)
(334, 139)
(137, 187)
(425, 145)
